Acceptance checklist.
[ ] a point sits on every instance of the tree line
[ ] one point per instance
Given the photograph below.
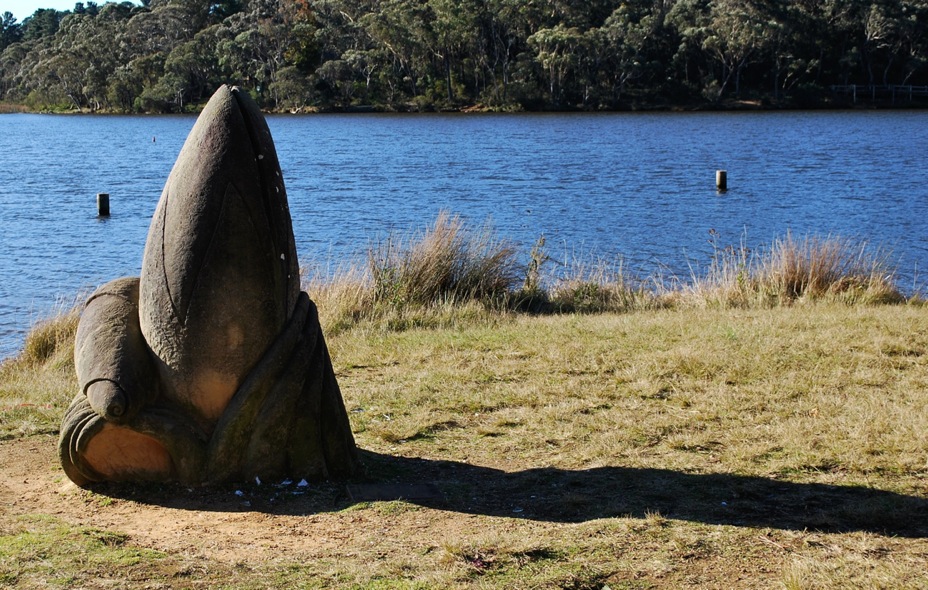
(169, 55)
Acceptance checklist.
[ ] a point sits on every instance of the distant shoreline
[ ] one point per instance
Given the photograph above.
(695, 107)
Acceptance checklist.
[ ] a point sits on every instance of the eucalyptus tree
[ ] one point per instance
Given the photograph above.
(842, 25)
(913, 30)
(340, 78)
(139, 83)
(621, 43)
(159, 30)
(337, 30)
(193, 66)
(293, 88)
(503, 42)
(401, 30)
(724, 36)
(44, 22)
(91, 8)
(255, 44)
(894, 40)
(10, 31)
(735, 34)
(792, 53)
(455, 36)
(556, 51)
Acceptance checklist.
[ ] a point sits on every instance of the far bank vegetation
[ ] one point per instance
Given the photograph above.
(499, 55)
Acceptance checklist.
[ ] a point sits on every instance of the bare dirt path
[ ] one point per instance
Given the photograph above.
(258, 525)
(251, 525)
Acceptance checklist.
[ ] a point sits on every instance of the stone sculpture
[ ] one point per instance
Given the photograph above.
(211, 366)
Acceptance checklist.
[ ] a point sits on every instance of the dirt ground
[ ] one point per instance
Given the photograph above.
(235, 525)
(489, 513)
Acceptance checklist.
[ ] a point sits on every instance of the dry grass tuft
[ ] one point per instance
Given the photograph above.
(445, 275)
(597, 286)
(36, 385)
(837, 268)
(812, 269)
(447, 263)
(344, 298)
(51, 340)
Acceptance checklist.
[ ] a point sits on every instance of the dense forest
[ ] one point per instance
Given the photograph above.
(169, 55)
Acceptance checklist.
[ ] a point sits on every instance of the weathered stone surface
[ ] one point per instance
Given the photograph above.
(212, 366)
(219, 274)
(113, 367)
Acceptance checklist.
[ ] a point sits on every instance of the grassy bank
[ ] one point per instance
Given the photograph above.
(417, 280)
(754, 428)
(762, 448)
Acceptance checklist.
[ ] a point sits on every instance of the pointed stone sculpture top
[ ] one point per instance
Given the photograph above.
(212, 365)
(219, 275)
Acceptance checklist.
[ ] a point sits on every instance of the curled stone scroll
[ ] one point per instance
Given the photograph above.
(211, 366)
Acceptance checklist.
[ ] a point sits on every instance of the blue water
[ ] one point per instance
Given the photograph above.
(637, 186)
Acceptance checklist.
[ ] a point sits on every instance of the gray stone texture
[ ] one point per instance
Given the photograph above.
(219, 274)
(212, 365)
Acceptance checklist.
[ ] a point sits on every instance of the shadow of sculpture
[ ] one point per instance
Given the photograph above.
(571, 496)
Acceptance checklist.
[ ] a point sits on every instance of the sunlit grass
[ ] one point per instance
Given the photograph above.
(630, 412)
(39, 551)
(825, 394)
(36, 385)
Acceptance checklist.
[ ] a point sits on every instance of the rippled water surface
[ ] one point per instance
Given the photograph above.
(639, 186)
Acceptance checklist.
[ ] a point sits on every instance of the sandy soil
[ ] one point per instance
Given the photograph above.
(234, 525)
(217, 524)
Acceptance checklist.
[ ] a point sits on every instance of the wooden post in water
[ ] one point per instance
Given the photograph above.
(721, 180)
(103, 204)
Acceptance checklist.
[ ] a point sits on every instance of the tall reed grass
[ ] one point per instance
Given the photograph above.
(448, 263)
(51, 340)
(794, 271)
(34, 384)
(428, 277)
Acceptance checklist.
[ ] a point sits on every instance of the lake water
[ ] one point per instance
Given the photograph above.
(639, 186)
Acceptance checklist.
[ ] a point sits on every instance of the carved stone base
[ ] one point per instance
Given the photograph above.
(287, 418)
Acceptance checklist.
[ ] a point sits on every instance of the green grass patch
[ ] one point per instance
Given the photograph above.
(40, 551)
(37, 385)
